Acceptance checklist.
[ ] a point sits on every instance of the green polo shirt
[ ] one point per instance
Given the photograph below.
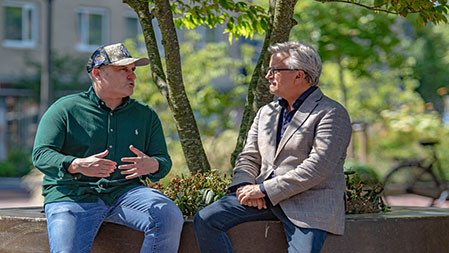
(81, 125)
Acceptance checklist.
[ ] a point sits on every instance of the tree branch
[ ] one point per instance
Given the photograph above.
(145, 18)
(365, 6)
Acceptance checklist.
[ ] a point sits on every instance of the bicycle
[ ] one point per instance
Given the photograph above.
(418, 177)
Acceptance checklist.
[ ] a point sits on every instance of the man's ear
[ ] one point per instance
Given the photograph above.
(300, 73)
(96, 73)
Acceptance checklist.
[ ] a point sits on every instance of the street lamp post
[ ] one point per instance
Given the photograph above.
(46, 83)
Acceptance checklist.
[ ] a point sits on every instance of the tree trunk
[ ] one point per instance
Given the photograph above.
(258, 91)
(145, 18)
(172, 86)
(251, 106)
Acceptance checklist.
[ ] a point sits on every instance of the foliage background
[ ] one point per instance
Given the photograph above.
(217, 109)
(389, 72)
(393, 76)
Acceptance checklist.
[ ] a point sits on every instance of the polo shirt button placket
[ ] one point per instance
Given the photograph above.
(111, 131)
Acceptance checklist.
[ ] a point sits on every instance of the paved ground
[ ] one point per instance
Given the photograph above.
(16, 198)
(21, 192)
(413, 200)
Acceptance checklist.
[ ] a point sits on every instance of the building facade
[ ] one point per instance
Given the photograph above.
(77, 28)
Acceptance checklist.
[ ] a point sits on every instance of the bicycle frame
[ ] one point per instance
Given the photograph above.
(424, 167)
(435, 162)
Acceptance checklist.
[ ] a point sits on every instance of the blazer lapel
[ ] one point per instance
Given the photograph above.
(273, 129)
(299, 118)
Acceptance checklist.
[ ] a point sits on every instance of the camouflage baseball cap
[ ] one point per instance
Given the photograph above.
(116, 55)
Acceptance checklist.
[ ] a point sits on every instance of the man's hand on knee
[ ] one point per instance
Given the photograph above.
(250, 195)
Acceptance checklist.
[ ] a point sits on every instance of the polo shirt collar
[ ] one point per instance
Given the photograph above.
(94, 98)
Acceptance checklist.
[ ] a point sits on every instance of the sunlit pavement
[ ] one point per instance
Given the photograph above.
(413, 200)
(21, 192)
(14, 198)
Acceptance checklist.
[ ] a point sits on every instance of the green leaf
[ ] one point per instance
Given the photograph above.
(378, 3)
(209, 197)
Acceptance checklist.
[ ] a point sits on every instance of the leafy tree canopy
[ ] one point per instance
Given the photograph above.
(432, 11)
(429, 50)
(240, 18)
(356, 38)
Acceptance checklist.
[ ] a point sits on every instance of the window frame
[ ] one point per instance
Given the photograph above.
(82, 27)
(129, 14)
(26, 29)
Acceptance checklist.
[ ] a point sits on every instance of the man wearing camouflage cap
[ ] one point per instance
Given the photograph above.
(94, 148)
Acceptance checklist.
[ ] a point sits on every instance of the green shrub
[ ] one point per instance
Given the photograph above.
(7, 169)
(366, 173)
(362, 197)
(193, 192)
(17, 164)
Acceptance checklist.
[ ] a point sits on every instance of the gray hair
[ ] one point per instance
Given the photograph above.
(301, 56)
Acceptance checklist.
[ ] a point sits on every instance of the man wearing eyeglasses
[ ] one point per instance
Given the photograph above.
(291, 168)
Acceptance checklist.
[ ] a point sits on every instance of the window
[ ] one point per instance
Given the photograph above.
(20, 24)
(133, 30)
(92, 28)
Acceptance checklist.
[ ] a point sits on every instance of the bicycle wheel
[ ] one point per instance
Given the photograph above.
(411, 179)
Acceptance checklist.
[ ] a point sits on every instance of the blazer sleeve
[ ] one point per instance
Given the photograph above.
(247, 166)
(332, 136)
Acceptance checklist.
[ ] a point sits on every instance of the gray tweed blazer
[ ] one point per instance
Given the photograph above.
(308, 181)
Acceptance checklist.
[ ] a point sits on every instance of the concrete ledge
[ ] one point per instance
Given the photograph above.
(401, 230)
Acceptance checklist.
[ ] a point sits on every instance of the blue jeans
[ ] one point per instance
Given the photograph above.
(212, 222)
(72, 226)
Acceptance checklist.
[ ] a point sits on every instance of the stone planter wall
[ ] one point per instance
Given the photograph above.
(402, 230)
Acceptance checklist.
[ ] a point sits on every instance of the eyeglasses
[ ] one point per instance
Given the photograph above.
(273, 71)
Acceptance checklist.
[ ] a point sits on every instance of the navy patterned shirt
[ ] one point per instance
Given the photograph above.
(286, 118)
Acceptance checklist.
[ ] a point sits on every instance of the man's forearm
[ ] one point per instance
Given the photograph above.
(51, 162)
